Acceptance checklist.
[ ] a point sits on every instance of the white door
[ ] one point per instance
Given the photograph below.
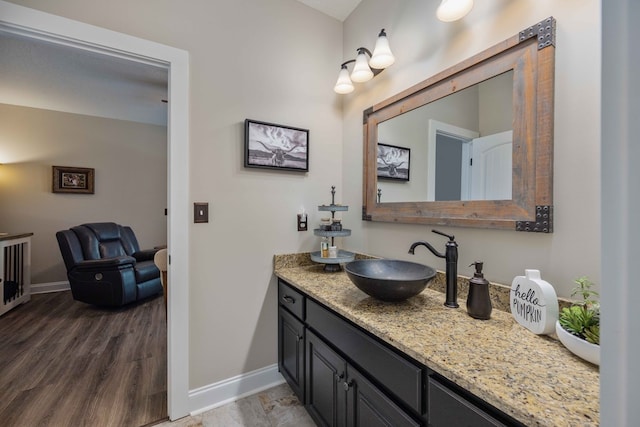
(491, 167)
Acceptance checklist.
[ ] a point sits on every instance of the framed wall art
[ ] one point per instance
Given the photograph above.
(67, 179)
(393, 162)
(272, 146)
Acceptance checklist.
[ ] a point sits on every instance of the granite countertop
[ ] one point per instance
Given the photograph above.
(530, 377)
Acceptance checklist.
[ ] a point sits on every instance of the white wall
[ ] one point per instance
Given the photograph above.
(272, 61)
(130, 162)
(424, 46)
(496, 96)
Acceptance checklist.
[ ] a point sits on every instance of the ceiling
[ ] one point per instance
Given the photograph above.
(338, 9)
(41, 74)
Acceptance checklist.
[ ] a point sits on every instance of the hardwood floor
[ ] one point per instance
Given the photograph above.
(66, 363)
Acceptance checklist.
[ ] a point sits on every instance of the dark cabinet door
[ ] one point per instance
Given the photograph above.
(325, 377)
(367, 406)
(291, 351)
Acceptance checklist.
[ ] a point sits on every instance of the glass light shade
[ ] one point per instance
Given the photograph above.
(382, 56)
(361, 71)
(343, 85)
(452, 10)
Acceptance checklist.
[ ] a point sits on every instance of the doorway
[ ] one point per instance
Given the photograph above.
(34, 24)
(448, 160)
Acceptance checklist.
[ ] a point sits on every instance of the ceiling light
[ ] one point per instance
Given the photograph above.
(361, 71)
(452, 10)
(382, 56)
(343, 85)
(366, 66)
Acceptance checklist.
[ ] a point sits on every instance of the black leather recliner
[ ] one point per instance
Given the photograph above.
(105, 265)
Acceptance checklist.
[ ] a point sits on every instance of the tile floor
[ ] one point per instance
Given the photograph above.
(276, 407)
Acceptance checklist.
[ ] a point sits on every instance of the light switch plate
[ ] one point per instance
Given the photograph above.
(200, 212)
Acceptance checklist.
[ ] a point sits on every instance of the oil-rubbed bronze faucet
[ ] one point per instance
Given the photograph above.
(451, 258)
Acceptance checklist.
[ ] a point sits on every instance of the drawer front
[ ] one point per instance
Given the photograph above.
(291, 299)
(448, 408)
(398, 375)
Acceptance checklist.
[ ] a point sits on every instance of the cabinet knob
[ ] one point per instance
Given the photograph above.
(340, 377)
(288, 299)
(347, 385)
(298, 338)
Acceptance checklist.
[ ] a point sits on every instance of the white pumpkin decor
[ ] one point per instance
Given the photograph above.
(534, 303)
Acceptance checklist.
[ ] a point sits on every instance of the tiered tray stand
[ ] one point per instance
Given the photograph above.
(332, 264)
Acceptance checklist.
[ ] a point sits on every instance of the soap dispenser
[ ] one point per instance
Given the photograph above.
(478, 300)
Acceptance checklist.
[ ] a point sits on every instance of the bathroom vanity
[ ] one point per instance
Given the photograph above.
(356, 361)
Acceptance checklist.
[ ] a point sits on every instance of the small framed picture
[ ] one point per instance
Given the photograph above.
(393, 162)
(67, 179)
(272, 146)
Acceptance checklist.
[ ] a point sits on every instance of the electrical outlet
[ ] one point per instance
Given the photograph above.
(200, 212)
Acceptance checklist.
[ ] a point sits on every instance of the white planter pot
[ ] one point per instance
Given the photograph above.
(578, 346)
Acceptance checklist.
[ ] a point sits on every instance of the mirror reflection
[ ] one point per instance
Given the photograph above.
(442, 187)
(456, 148)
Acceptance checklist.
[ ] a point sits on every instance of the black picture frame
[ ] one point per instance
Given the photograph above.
(391, 161)
(273, 146)
(68, 179)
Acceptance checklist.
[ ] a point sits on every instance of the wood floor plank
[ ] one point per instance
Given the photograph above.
(63, 362)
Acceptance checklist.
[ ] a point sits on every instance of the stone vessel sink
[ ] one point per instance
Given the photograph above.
(388, 279)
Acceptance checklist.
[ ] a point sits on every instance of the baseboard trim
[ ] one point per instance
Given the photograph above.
(226, 391)
(45, 288)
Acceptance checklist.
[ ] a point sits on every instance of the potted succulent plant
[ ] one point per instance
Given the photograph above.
(578, 328)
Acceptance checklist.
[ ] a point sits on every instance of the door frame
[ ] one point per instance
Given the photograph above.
(436, 128)
(55, 29)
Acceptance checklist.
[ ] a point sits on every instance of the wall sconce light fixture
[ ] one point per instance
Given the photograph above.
(365, 68)
(452, 10)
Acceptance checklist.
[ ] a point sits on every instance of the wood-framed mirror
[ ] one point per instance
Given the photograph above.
(506, 186)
